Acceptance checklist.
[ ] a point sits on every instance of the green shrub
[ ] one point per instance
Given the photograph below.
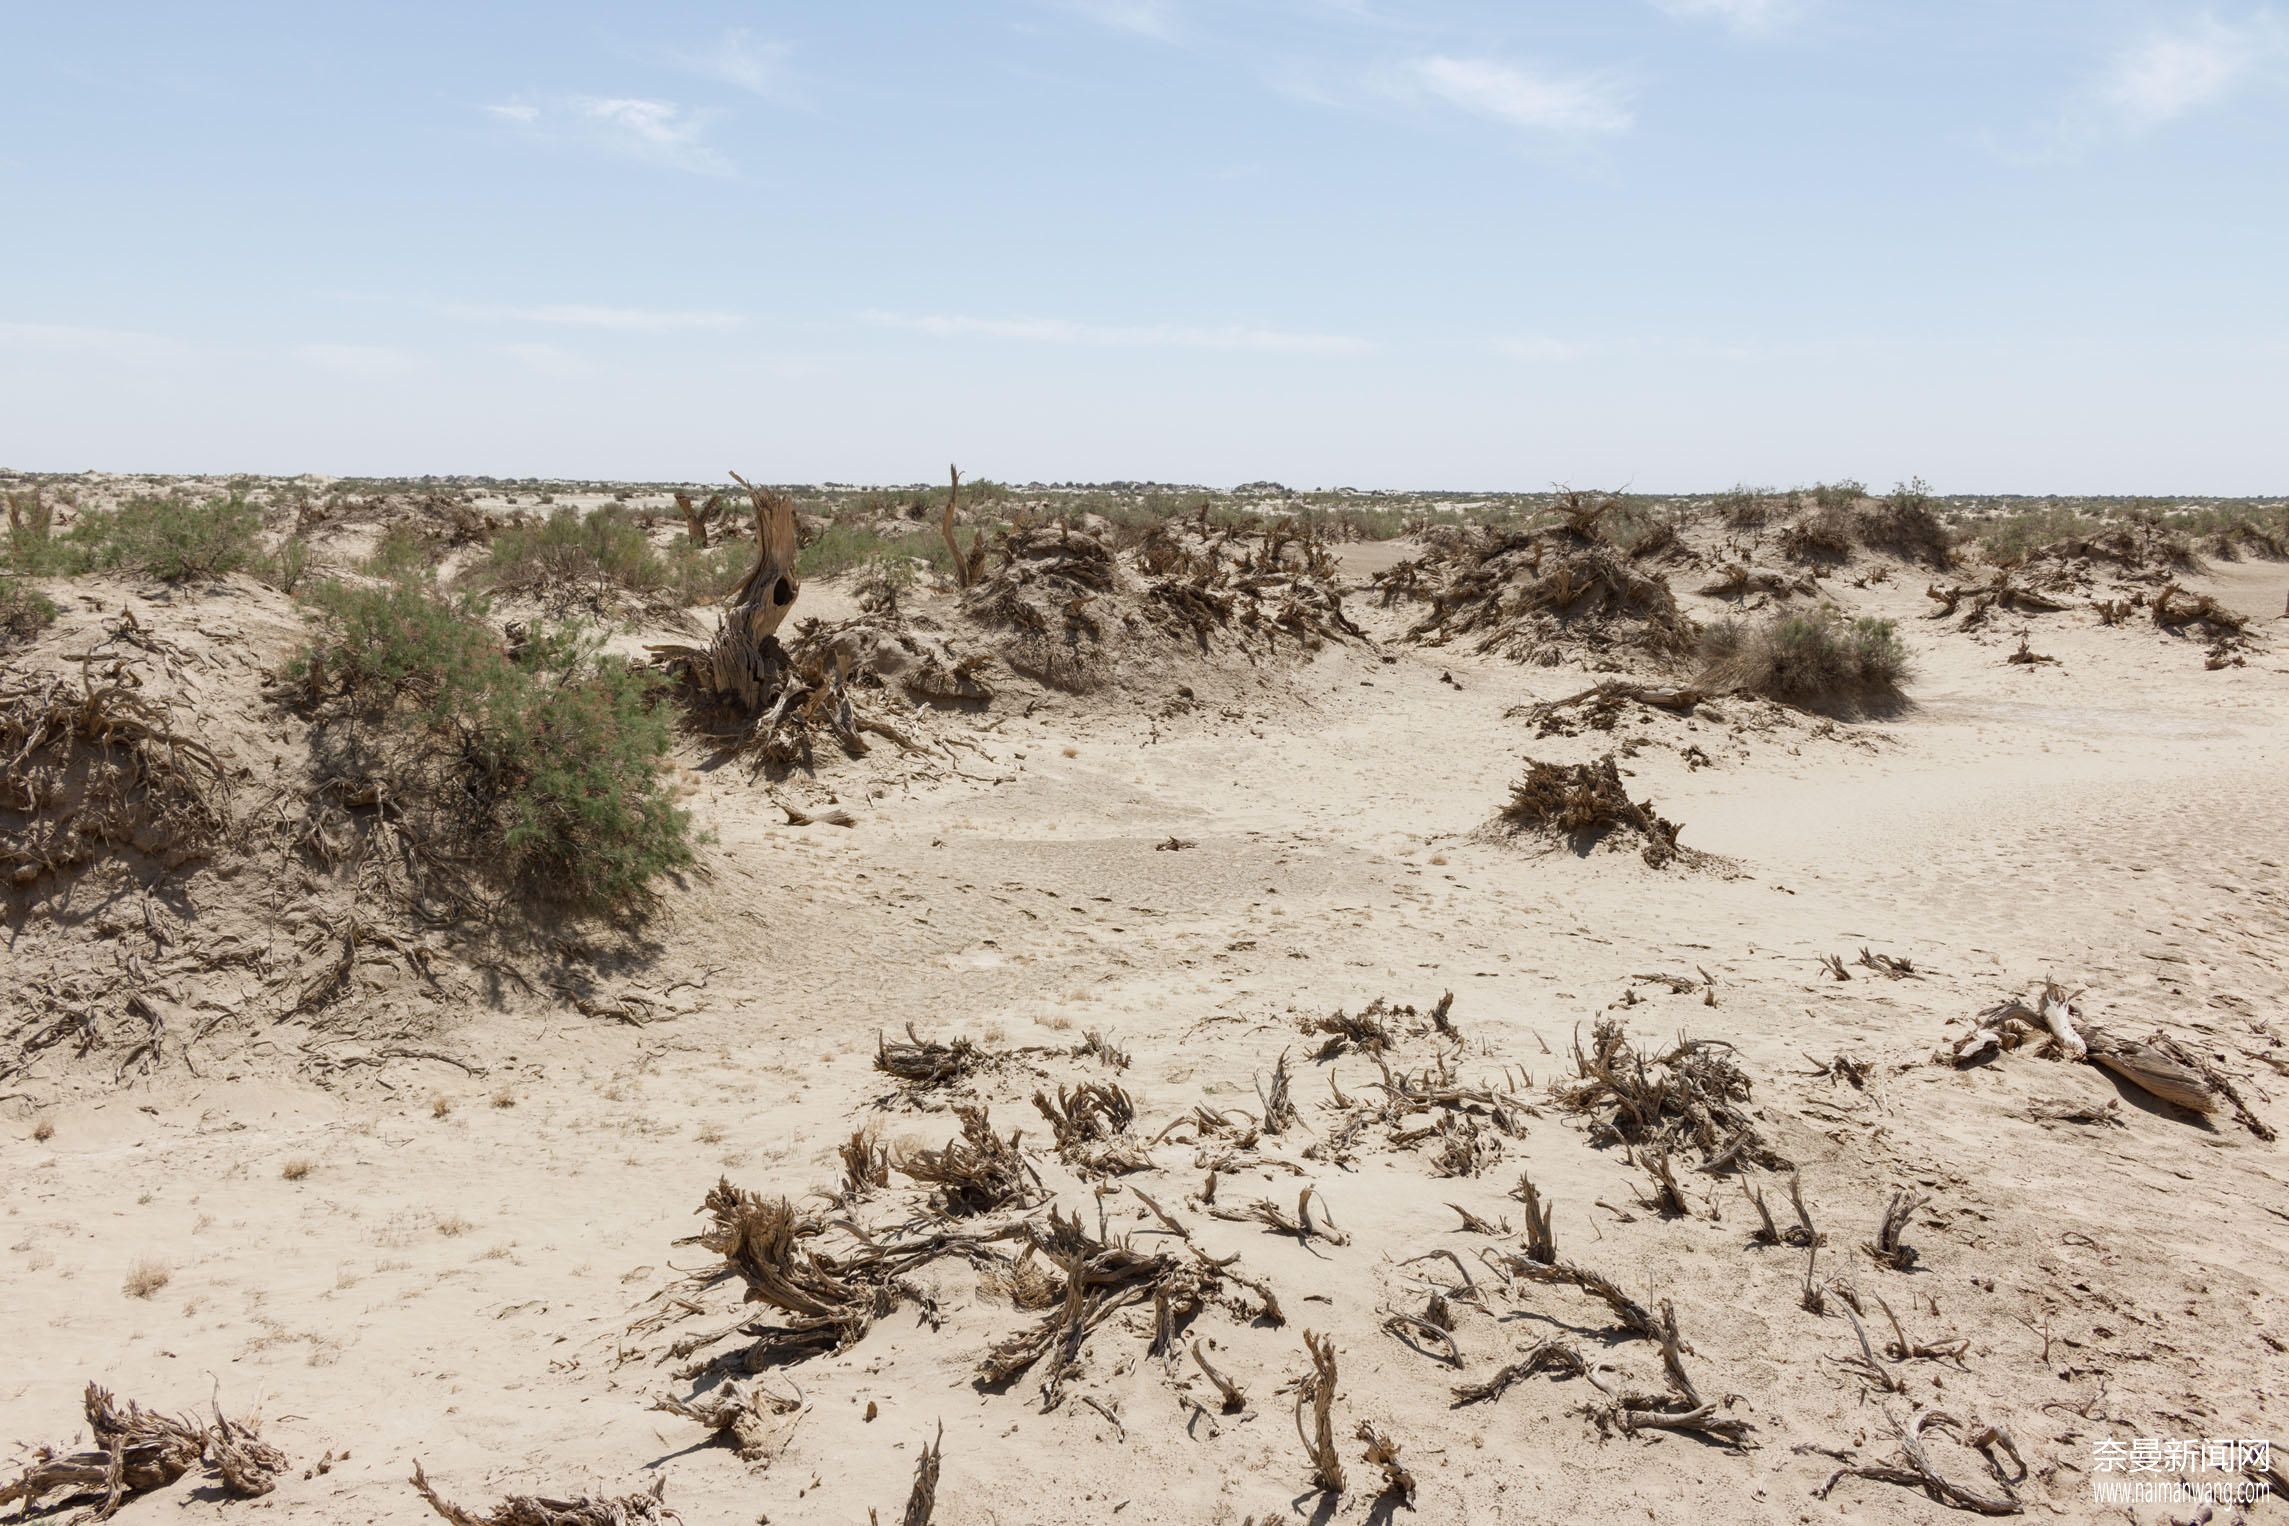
(697, 576)
(404, 553)
(24, 611)
(285, 568)
(395, 641)
(2009, 540)
(1906, 523)
(844, 545)
(1839, 495)
(539, 763)
(1829, 533)
(173, 538)
(34, 549)
(1744, 508)
(597, 559)
(1818, 661)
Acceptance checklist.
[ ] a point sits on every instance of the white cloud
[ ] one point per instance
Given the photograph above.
(1124, 336)
(1142, 18)
(1740, 15)
(357, 359)
(1522, 97)
(754, 64)
(633, 127)
(2169, 74)
(637, 320)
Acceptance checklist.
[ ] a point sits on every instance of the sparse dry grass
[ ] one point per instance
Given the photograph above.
(298, 1168)
(145, 1278)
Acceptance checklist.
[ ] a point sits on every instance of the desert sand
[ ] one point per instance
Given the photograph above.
(450, 1219)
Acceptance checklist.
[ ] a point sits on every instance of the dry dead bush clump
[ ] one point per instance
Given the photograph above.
(1534, 595)
(2140, 549)
(1065, 604)
(1695, 1095)
(1824, 536)
(1039, 597)
(1205, 581)
(1585, 804)
(136, 1451)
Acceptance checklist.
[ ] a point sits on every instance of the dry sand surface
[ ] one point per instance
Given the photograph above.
(469, 1248)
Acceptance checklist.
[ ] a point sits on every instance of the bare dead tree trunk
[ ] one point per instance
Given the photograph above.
(967, 568)
(695, 520)
(745, 659)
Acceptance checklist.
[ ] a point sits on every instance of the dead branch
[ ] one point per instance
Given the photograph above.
(644, 1509)
(1916, 1470)
(1317, 1393)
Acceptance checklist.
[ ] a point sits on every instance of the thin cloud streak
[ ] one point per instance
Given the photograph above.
(1517, 95)
(2170, 74)
(1155, 19)
(637, 128)
(739, 58)
(634, 320)
(1738, 15)
(1230, 338)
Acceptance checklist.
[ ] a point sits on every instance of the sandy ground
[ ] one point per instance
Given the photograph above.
(454, 1276)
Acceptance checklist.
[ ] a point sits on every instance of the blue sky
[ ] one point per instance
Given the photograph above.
(2009, 245)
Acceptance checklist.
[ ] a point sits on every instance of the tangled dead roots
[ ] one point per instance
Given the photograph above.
(98, 765)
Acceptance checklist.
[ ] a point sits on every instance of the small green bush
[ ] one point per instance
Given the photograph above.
(844, 545)
(697, 576)
(2009, 540)
(173, 538)
(1818, 661)
(1744, 508)
(1906, 523)
(34, 549)
(540, 763)
(404, 553)
(285, 568)
(597, 559)
(24, 611)
(1827, 534)
(394, 641)
(1839, 495)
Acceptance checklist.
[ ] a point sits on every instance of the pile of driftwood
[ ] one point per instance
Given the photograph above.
(1541, 595)
(2049, 1022)
(1585, 804)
